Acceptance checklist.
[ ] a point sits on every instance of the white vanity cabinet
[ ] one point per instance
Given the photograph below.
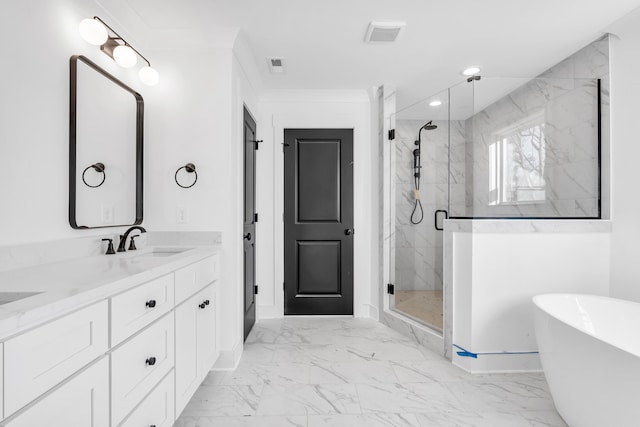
(81, 401)
(134, 358)
(41, 358)
(196, 345)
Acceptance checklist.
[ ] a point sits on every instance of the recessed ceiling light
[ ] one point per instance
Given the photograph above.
(435, 103)
(471, 71)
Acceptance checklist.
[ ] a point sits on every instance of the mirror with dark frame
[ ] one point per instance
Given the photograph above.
(105, 148)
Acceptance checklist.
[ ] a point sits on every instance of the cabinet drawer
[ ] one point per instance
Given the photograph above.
(157, 409)
(135, 309)
(83, 401)
(37, 360)
(134, 371)
(194, 277)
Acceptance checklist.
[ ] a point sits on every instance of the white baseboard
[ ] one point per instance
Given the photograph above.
(229, 359)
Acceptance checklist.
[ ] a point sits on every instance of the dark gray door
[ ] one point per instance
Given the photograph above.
(318, 221)
(250, 146)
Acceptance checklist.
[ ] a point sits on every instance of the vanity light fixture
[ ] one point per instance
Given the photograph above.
(97, 32)
(471, 71)
(435, 103)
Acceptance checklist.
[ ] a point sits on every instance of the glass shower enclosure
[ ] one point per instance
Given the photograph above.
(488, 148)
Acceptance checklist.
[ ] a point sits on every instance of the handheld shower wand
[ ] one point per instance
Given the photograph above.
(416, 175)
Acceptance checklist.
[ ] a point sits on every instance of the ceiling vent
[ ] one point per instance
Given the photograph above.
(383, 32)
(276, 65)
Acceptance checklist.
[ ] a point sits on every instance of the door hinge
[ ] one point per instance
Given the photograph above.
(285, 145)
(283, 286)
(255, 217)
(392, 134)
(256, 144)
(390, 289)
(255, 289)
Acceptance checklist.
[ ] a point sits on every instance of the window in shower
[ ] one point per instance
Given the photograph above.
(516, 163)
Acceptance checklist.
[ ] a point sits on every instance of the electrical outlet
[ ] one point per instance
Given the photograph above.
(182, 215)
(106, 214)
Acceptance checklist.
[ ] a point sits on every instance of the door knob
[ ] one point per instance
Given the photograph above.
(247, 236)
(150, 361)
(348, 231)
(202, 305)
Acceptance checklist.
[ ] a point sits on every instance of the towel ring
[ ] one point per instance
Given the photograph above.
(98, 167)
(189, 168)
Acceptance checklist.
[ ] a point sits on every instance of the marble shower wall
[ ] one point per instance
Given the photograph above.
(565, 97)
(418, 247)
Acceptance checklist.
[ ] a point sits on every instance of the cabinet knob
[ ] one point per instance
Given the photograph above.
(206, 302)
(202, 305)
(150, 361)
(151, 303)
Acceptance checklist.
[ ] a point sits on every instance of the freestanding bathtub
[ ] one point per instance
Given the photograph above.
(590, 352)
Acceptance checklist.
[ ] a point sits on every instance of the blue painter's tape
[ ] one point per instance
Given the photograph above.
(467, 353)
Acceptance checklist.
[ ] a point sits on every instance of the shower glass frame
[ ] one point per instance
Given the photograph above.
(464, 108)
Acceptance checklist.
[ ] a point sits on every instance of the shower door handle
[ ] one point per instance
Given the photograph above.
(435, 218)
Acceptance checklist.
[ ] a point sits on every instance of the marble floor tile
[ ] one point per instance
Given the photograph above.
(224, 401)
(364, 420)
(317, 372)
(296, 421)
(406, 398)
(508, 396)
(248, 373)
(363, 371)
(309, 399)
(429, 371)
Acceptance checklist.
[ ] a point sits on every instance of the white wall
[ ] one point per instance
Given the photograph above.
(316, 109)
(625, 153)
(496, 274)
(38, 37)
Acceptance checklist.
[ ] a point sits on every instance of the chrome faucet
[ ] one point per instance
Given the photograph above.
(123, 237)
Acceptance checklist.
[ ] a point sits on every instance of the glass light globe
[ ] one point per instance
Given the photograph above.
(149, 76)
(471, 71)
(93, 31)
(125, 56)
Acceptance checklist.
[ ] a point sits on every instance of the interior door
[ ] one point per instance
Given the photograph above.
(318, 221)
(250, 146)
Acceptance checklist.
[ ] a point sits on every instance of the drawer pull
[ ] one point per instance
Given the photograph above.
(151, 303)
(206, 302)
(151, 361)
(202, 305)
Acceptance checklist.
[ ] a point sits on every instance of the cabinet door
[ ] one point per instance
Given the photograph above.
(156, 409)
(207, 348)
(38, 360)
(187, 373)
(83, 401)
(139, 365)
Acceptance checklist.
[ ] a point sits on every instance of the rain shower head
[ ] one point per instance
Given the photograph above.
(429, 126)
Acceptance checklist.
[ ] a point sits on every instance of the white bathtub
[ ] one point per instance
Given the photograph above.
(590, 352)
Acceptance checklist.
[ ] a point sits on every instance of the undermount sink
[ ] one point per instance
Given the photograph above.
(162, 252)
(7, 297)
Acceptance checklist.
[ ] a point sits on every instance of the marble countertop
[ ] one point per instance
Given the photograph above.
(67, 285)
